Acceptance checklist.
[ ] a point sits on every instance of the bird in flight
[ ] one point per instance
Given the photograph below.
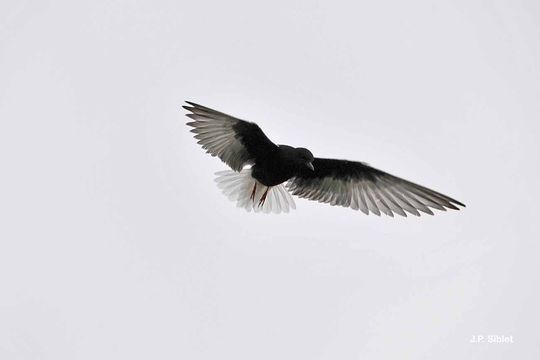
(264, 175)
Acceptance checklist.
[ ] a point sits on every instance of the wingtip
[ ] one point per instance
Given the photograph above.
(191, 103)
(455, 202)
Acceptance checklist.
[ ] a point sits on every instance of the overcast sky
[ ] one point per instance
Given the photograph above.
(115, 242)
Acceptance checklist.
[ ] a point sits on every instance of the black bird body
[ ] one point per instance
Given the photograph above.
(278, 166)
(337, 182)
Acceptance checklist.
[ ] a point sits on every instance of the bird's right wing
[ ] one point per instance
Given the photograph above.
(359, 186)
(236, 142)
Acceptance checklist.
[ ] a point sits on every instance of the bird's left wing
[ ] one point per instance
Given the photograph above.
(236, 142)
(361, 187)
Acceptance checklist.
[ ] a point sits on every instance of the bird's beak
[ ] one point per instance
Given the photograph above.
(310, 165)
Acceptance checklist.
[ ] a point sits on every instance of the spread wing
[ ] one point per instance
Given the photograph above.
(236, 142)
(361, 187)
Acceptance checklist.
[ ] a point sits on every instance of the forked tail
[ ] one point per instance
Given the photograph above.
(250, 194)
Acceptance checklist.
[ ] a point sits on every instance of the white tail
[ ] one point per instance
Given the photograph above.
(238, 186)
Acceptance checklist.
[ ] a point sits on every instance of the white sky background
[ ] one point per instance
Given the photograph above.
(115, 242)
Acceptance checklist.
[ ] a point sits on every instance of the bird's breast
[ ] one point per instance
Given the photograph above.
(272, 172)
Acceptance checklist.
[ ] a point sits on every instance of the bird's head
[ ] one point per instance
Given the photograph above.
(305, 157)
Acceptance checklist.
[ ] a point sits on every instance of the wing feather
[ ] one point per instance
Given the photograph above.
(236, 142)
(362, 187)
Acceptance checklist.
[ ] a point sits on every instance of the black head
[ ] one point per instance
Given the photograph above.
(305, 157)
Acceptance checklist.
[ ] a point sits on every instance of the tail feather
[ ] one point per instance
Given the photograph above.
(238, 187)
